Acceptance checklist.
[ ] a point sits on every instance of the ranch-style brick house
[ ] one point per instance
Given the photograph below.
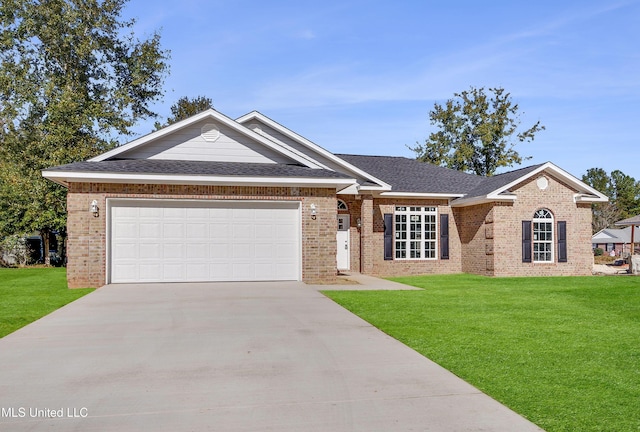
(216, 199)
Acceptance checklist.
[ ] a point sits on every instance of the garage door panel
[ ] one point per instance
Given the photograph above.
(156, 241)
(173, 230)
(242, 251)
(149, 230)
(197, 230)
(219, 251)
(174, 271)
(148, 250)
(149, 272)
(197, 251)
(172, 251)
(126, 250)
(146, 212)
(197, 272)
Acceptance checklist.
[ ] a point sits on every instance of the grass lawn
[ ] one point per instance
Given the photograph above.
(563, 352)
(27, 294)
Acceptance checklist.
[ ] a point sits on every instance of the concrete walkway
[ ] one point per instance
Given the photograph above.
(227, 357)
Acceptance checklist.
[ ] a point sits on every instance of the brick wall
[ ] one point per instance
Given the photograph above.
(476, 227)
(492, 233)
(559, 199)
(87, 234)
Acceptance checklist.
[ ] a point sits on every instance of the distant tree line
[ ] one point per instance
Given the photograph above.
(624, 197)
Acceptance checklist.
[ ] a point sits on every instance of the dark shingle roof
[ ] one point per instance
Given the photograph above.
(410, 175)
(157, 166)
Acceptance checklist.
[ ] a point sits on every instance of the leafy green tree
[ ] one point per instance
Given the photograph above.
(476, 132)
(624, 197)
(626, 191)
(185, 108)
(72, 76)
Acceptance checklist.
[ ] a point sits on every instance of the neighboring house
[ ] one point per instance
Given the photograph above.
(216, 199)
(614, 239)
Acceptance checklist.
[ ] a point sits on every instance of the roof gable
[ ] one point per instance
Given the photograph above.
(284, 136)
(208, 136)
(498, 187)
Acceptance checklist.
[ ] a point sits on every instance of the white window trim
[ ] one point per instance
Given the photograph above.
(543, 219)
(424, 212)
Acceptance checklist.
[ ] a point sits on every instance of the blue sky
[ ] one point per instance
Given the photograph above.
(361, 76)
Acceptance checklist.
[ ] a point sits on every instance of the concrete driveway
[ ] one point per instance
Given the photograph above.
(227, 357)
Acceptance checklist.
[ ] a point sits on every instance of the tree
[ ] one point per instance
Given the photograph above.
(70, 79)
(624, 197)
(186, 108)
(477, 132)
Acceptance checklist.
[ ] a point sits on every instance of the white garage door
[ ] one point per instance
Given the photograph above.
(189, 241)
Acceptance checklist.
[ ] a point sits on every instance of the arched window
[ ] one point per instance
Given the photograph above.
(543, 236)
(342, 205)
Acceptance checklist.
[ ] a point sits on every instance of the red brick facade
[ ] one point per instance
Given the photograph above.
(87, 238)
(484, 239)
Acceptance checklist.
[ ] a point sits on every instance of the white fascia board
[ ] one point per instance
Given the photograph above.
(218, 116)
(310, 145)
(589, 198)
(466, 202)
(419, 195)
(63, 178)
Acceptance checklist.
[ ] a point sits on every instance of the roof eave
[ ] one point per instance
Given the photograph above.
(579, 198)
(484, 199)
(392, 194)
(66, 177)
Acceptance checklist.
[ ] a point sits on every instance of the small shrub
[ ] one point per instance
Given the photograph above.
(598, 252)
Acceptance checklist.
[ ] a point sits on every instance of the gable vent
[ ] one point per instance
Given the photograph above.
(210, 132)
(256, 128)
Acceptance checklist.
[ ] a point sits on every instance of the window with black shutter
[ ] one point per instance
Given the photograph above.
(444, 236)
(526, 241)
(388, 236)
(562, 241)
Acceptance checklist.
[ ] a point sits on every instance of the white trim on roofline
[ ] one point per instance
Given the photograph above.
(592, 194)
(502, 194)
(311, 146)
(419, 195)
(465, 202)
(216, 115)
(64, 177)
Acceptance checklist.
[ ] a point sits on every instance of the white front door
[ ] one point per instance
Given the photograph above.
(342, 239)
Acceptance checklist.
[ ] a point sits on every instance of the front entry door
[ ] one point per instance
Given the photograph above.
(343, 241)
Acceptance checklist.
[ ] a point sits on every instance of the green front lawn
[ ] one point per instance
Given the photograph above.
(27, 294)
(563, 352)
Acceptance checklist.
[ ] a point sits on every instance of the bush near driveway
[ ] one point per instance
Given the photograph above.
(27, 294)
(563, 352)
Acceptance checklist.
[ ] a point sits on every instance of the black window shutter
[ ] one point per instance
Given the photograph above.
(388, 236)
(562, 241)
(526, 241)
(444, 236)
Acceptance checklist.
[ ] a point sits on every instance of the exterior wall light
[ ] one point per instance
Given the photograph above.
(94, 208)
(313, 211)
(359, 222)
